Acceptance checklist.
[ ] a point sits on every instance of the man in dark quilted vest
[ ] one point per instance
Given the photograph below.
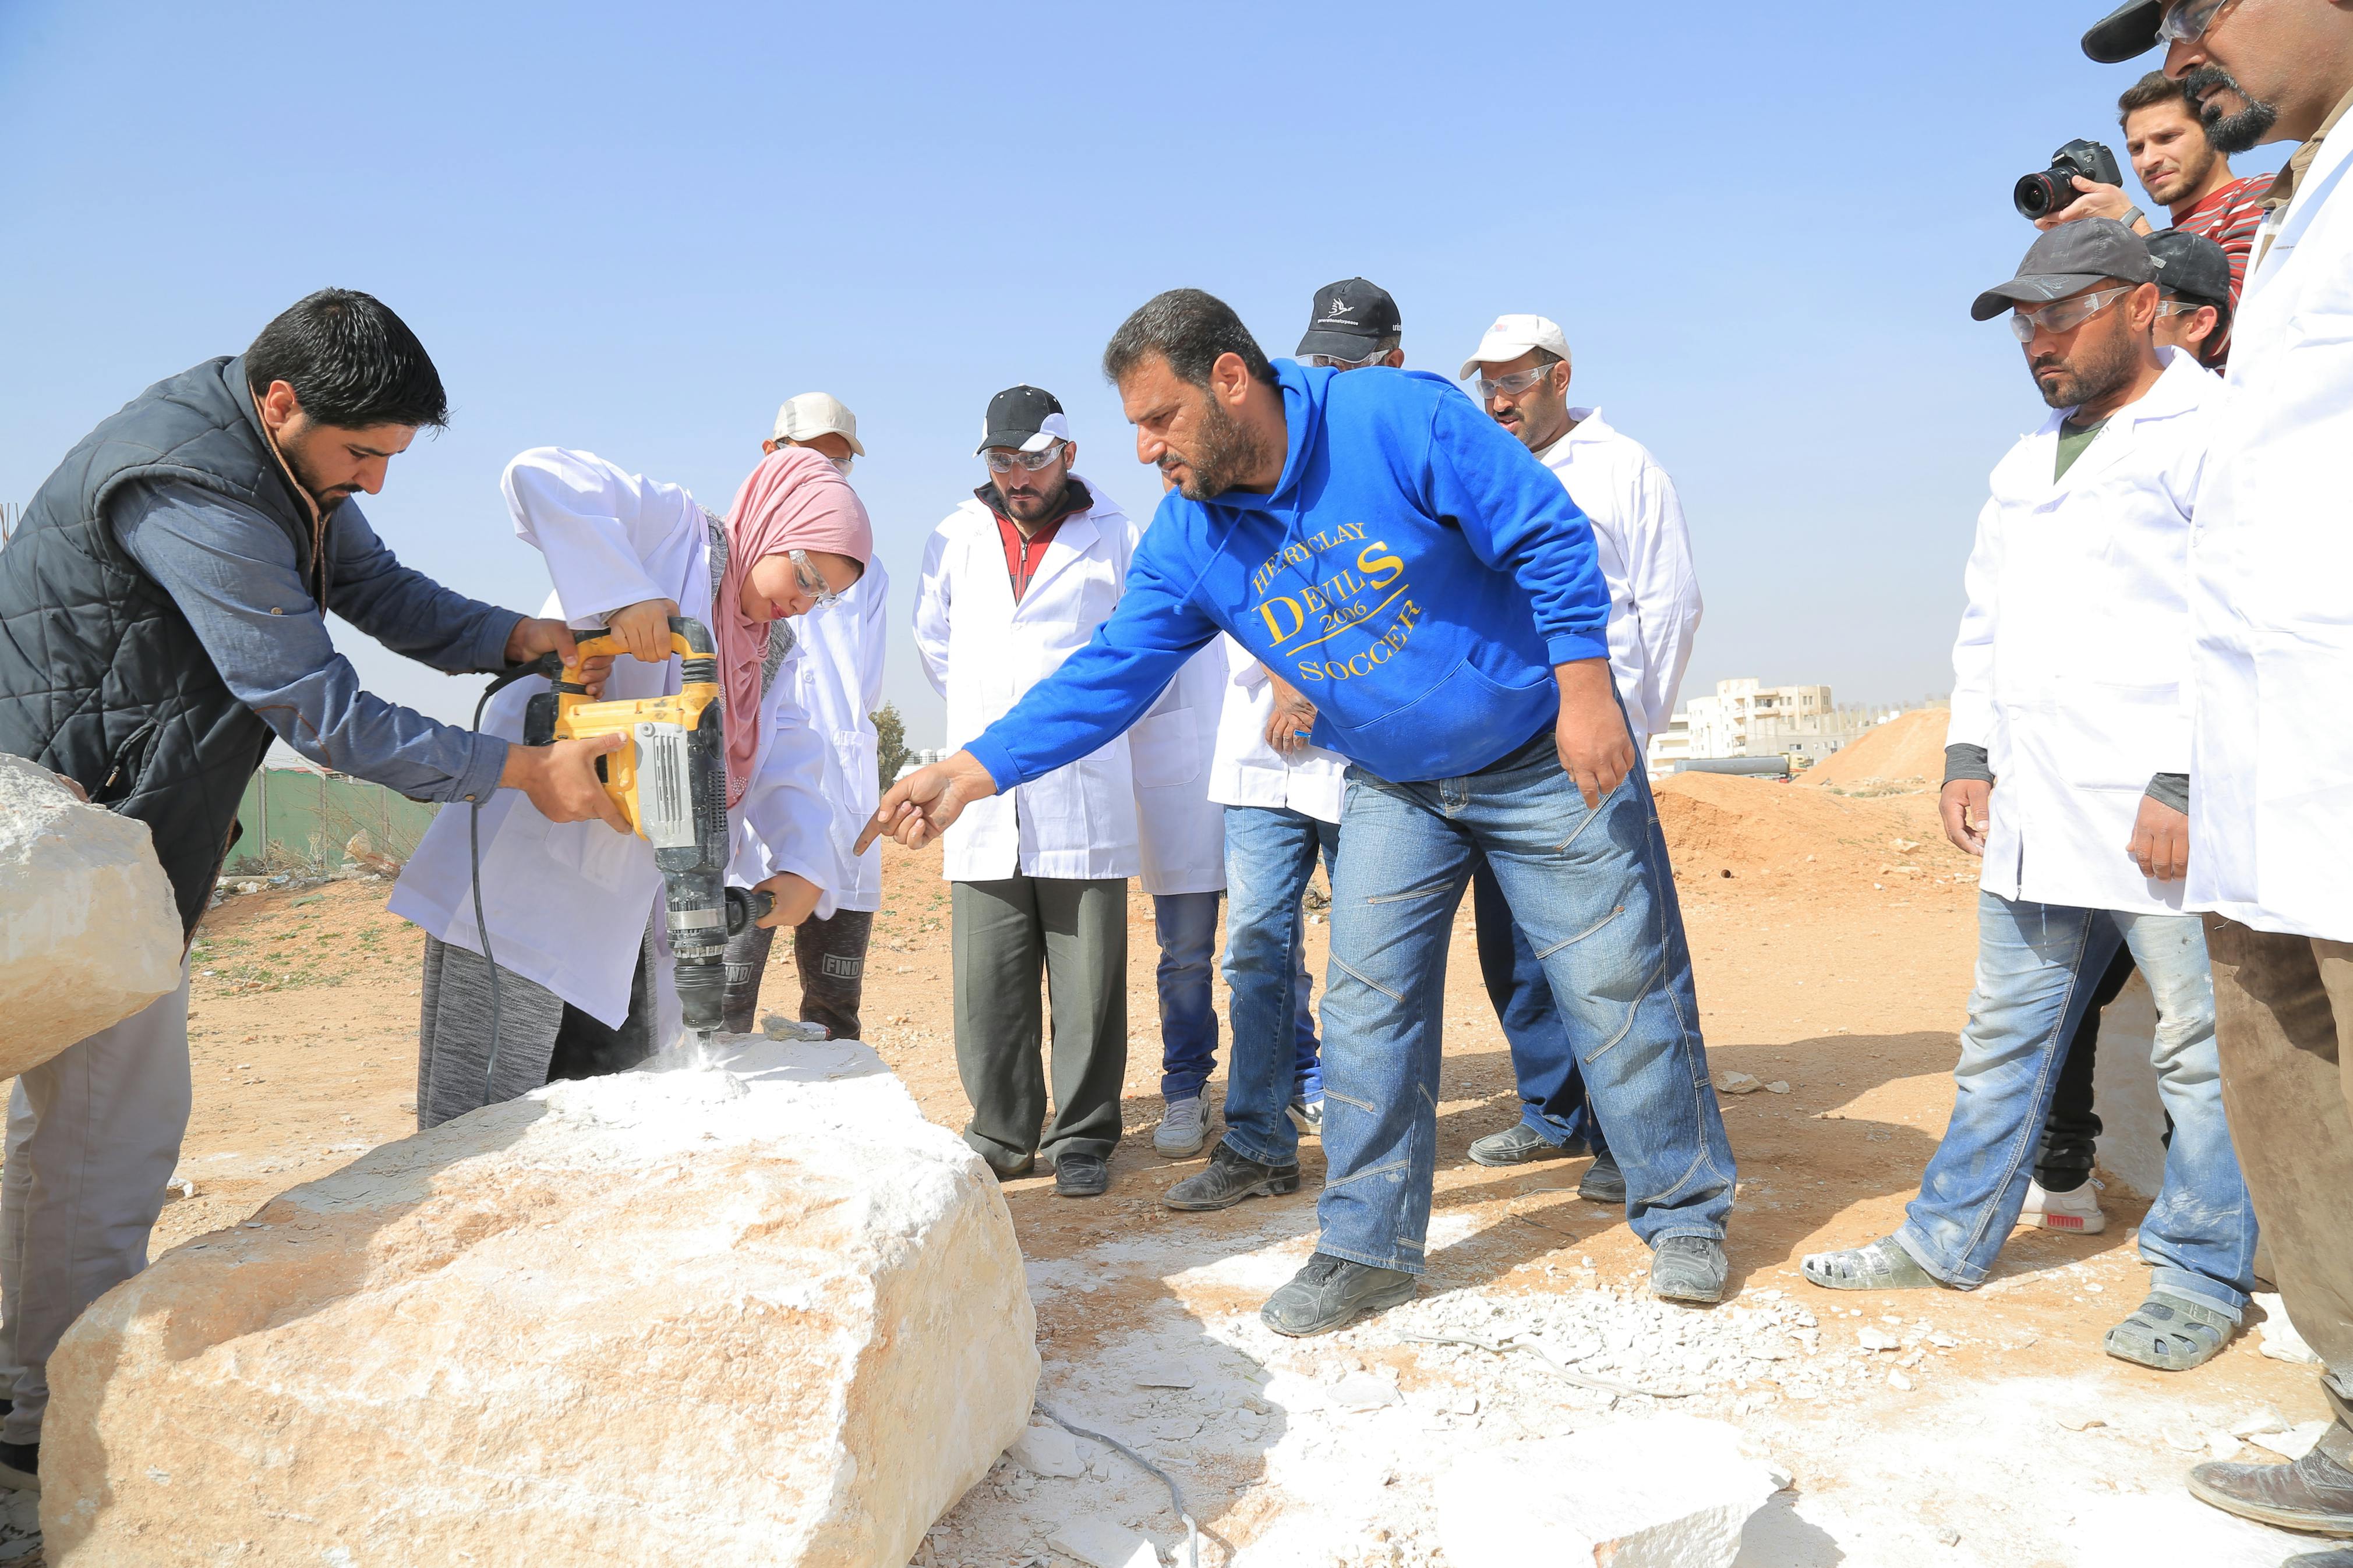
(161, 620)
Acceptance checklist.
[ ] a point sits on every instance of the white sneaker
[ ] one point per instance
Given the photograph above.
(1184, 1128)
(2077, 1211)
(1307, 1115)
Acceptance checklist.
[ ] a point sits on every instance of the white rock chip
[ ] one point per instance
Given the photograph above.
(1730, 1082)
(89, 932)
(1672, 1491)
(625, 1316)
(1102, 1545)
(1045, 1449)
(2281, 1341)
(2294, 1443)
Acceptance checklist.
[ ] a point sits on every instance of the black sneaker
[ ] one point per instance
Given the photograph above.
(20, 1466)
(2316, 1493)
(1014, 1173)
(1515, 1145)
(1689, 1269)
(1080, 1176)
(1231, 1177)
(1332, 1292)
(1604, 1182)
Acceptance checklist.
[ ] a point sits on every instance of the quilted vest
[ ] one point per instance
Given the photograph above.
(102, 677)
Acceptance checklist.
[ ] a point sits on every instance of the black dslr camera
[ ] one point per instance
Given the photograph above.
(2053, 190)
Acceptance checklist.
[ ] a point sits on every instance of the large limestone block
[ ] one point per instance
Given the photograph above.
(89, 933)
(1672, 1491)
(675, 1320)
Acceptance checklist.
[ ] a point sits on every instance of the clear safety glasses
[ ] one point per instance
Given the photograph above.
(2187, 23)
(810, 580)
(2065, 316)
(1001, 461)
(1512, 386)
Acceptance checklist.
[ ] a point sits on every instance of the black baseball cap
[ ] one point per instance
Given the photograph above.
(2191, 265)
(1026, 418)
(2068, 260)
(2130, 29)
(1348, 321)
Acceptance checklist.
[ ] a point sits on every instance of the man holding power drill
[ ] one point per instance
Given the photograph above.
(162, 620)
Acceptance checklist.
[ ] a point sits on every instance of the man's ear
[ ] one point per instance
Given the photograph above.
(767, 448)
(277, 404)
(1229, 378)
(2146, 300)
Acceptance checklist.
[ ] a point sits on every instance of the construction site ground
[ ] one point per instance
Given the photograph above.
(1833, 935)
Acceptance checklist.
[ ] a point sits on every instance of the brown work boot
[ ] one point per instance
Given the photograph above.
(2314, 1494)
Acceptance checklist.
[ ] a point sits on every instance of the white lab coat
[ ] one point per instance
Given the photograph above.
(568, 903)
(1646, 558)
(2271, 795)
(982, 651)
(2073, 660)
(840, 685)
(1246, 770)
(1171, 748)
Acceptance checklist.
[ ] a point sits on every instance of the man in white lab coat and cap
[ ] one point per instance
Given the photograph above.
(2272, 812)
(1523, 370)
(1015, 580)
(839, 681)
(2065, 771)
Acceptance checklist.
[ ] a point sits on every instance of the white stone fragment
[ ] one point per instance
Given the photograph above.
(89, 931)
(1166, 1374)
(1099, 1543)
(2264, 1418)
(2294, 1443)
(1730, 1082)
(758, 1298)
(1897, 1380)
(2281, 1341)
(1045, 1449)
(1364, 1390)
(1672, 1491)
(1876, 1340)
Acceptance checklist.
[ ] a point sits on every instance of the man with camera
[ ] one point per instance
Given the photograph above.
(2271, 647)
(2067, 773)
(2176, 165)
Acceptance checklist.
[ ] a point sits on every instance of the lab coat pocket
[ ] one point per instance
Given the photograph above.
(856, 750)
(1164, 750)
(2110, 736)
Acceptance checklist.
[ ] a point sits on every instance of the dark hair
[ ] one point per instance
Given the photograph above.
(1191, 330)
(351, 362)
(2150, 91)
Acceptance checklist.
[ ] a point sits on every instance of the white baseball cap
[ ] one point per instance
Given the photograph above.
(1512, 336)
(817, 414)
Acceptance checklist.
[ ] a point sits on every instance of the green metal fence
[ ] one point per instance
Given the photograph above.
(293, 818)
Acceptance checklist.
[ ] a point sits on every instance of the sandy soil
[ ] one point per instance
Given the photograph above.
(1834, 939)
(1908, 752)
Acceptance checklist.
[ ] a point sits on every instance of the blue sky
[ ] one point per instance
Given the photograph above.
(636, 230)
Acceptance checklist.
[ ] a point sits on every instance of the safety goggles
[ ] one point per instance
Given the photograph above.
(1328, 361)
(2065, 316)
(2187, 23)
(1512, 386)
(2186, 307)
(810, 580)
(1001, 461)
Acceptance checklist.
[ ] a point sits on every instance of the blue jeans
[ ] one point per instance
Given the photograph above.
(1552, 1087)
(1187, 925)
(1270, 856)
(2037, 964)
(1592, 890)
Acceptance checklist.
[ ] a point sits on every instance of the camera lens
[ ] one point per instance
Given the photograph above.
(2038, 195)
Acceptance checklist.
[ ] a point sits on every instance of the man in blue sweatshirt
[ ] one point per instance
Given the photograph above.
(1399, 557)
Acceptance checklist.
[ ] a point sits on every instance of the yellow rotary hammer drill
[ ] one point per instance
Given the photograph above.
(671, 782)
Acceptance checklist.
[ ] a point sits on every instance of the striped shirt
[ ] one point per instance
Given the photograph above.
(2230, 217)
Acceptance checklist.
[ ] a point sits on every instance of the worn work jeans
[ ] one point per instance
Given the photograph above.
(2037, 966)
(1552, 1086)
(1592, 890)
(2283, 1015)
(1270, 856)
(1187, 925)
(93, 1135)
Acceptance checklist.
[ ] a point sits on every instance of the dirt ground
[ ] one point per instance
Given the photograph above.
(1834, 939)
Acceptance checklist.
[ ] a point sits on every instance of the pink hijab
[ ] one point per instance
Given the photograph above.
(795, 500)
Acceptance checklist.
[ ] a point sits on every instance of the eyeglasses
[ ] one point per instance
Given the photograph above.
(2186, 307)
(1512, 386)
(1001, 461)
(2187, 23)
(2065, 316)
(1328, 361)
(810, 580)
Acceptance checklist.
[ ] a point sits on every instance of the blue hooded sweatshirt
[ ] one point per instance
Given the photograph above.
(1416, 574)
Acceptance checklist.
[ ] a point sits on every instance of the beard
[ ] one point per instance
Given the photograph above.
(2228, 133)
(1041, 497)
(1227, 453)
(327, 497)
(2096, 370)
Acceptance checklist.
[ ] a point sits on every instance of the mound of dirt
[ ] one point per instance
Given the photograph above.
(1906, 753)
(1716, 822)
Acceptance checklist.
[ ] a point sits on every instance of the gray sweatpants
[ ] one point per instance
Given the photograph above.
(1003, 934)
(831, 957)
(94, 1133)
